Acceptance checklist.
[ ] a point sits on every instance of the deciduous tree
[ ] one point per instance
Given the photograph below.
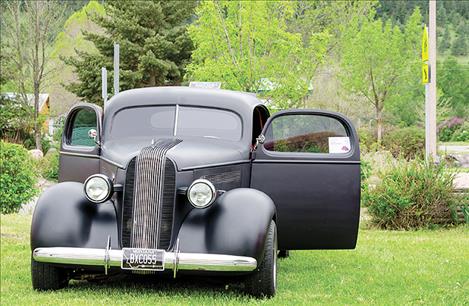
(453, 79)
(247, 46)
(28, 30)
(380, 61)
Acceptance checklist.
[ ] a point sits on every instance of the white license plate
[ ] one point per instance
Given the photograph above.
(142, 259)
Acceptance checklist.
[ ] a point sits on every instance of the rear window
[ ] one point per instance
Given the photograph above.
(159, 121)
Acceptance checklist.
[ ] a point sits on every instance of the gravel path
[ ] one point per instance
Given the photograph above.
(461, 181)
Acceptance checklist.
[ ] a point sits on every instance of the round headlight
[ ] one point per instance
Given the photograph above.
(201, 193)
(98, 188)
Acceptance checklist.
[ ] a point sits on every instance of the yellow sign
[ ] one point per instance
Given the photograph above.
(425, 44)
(425, 74)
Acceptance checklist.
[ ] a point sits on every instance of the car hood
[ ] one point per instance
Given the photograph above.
(189, 153)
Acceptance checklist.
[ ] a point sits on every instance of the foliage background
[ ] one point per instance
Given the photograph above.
(17, 177)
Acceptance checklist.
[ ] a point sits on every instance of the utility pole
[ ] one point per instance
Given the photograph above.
(430, 87)
(104, 85)
(116, 69)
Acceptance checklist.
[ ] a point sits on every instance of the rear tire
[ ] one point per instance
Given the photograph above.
(263, 281)
(47, 277)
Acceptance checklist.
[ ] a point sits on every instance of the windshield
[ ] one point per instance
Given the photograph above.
(157, 121)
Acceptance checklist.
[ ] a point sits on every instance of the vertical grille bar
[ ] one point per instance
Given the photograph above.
(127, 210)
(149, 187)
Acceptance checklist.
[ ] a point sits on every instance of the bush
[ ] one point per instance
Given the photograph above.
(16, 119)
(447, 128)
(365, 173)
(461, 134)
(411, 195)
(29, 143)
(367, 140)
(49, 166)
(406, 142)
(17, 177)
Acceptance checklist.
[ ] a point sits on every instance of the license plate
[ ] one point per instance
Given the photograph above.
(142, 259)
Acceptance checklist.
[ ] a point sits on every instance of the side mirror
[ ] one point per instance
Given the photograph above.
(259, 140)
(93, 134)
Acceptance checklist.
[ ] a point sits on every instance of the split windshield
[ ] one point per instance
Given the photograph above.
(160, 121)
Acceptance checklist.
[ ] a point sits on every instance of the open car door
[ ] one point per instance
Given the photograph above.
(308, 162)
(80, 150)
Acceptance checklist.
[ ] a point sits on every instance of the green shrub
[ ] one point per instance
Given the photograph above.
(447, 128)
(462, 133)
(406, 142)
(17, 177)
(29, 143)
(367, 140)
(365, 173)
(411, 195)
(49, 166)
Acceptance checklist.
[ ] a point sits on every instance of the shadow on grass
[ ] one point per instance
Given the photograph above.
(164, 285)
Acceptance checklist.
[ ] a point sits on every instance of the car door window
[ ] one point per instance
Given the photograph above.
(307, 133)
(83, 127)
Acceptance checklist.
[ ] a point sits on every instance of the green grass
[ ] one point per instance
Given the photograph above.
(458, 170)
(387, 268)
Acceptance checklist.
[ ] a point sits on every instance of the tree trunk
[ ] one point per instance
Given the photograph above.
(37, 126)
(152, 80)
(379, 126)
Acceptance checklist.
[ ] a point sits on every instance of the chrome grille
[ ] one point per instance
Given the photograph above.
(153, 197)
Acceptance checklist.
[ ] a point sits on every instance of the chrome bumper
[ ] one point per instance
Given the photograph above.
(172, 260)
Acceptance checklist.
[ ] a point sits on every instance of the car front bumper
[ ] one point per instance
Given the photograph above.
(172, 260)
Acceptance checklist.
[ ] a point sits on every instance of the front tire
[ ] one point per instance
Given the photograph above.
(263, 281)
(47, 277)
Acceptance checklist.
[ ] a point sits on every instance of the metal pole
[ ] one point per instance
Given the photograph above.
(116, 69)
(430, 88)
(104, 85)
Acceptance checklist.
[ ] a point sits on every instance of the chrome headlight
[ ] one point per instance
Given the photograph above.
(98, 188)
(201, 193)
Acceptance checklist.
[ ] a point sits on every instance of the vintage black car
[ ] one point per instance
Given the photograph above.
(183, 180)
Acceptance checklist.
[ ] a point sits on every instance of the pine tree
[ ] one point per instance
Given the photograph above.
(154, 46)
(459, 46)
(445, 42)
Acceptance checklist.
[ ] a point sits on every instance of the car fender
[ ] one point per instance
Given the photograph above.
(63, 217)
(235, 224)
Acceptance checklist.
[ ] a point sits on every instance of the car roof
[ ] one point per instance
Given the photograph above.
(239, 102)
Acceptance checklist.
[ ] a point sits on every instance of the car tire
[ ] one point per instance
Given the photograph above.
(47, 277)
(263, 281)
(283, 254)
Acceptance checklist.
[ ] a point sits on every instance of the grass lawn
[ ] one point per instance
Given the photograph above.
(387, 268)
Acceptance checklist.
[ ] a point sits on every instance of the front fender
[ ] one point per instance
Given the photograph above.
(236, 224)
(63, 217)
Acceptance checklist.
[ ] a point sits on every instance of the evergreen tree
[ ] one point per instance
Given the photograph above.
(459, 46)
(154, 46)
(445, 42)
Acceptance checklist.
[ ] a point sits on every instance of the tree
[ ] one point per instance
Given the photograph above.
(445, 42)
(452, 83)
(460, 44)
(155, 47)
(379, 61)
(28, 29)
(67, 43)
(246, 46)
